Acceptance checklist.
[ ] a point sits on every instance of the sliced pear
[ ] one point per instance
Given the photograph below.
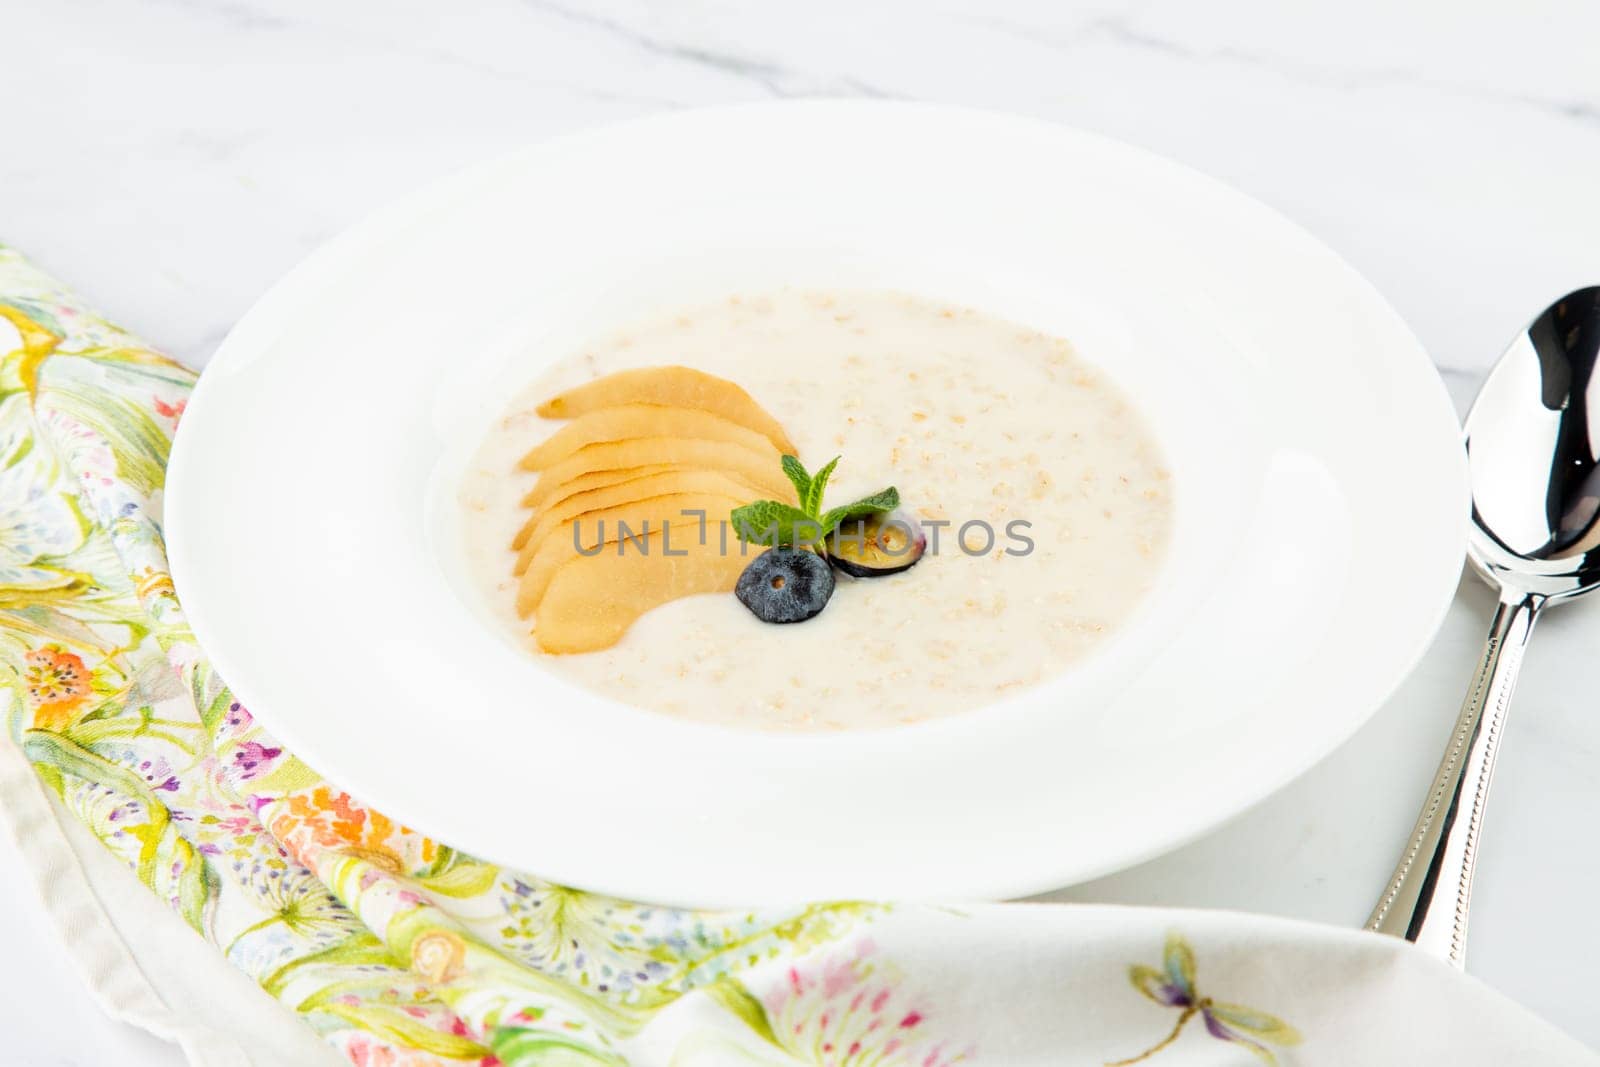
(592, 600)
(649, 450)
(593, 480)
(637, 517)
(540, 561)
(639, 420)
(579, 504)
(550, 557)
(682, 387)
(760, 469)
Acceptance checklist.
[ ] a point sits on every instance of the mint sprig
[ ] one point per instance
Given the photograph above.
(882, 501)
(774, 523)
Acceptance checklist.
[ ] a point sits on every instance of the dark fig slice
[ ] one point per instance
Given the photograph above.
(877, 546)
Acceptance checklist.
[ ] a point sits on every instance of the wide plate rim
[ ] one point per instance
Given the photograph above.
(1044, 875)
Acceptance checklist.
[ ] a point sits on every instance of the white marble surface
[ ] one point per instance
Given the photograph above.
(172, 157)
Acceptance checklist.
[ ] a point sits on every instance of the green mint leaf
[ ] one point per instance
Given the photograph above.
(773, 523)
(811, 500)
(797, 474)
(876, 504)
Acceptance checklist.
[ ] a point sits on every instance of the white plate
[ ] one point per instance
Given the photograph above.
(1320, 485)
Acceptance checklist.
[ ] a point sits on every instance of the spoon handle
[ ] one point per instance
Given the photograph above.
(1427, 898)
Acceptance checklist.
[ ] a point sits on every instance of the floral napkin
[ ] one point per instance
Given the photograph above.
(398, 950)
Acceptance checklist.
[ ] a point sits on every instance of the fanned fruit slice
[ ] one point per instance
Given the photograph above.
(644, 448)
(633, 421)
(592, 600)
(758, 468)
(593, 480)
(676, 516)
(681, 387)
(583, 506)
(611, 524)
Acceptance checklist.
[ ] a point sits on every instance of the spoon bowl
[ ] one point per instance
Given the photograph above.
(1533, 452)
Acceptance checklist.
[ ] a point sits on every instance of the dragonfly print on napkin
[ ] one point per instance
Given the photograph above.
(1172, 985)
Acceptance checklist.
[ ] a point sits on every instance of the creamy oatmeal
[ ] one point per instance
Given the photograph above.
(976, 420)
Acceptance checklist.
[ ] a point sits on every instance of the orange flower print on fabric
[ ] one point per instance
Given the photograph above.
(57, 684)
(328, 819)
(170, 411)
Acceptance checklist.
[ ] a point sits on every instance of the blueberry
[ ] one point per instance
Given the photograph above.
(785, 585)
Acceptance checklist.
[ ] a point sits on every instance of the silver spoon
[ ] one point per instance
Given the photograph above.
(1533, 453)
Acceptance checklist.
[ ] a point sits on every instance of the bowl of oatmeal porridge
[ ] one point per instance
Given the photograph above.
(860, 500)
(1044, 498)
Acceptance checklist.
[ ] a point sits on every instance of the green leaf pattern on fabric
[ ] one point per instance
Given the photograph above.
(395, 948)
